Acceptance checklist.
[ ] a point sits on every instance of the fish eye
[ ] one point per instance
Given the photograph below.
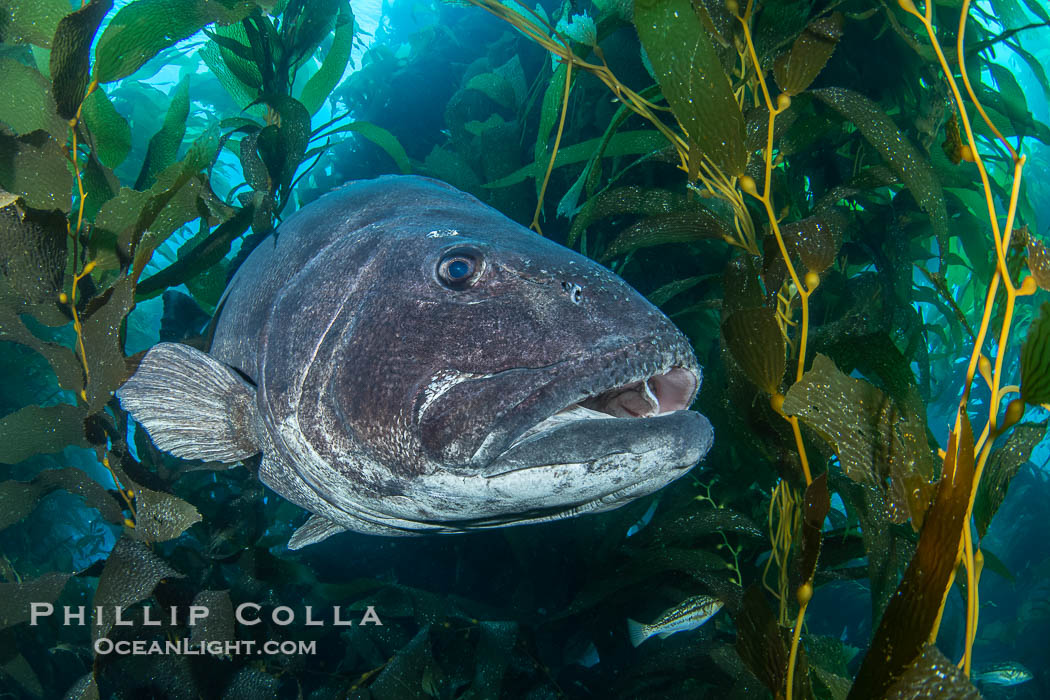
(459, 268)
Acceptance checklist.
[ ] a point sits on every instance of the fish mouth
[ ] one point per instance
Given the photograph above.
(649, 395)
(622, 398)
(581, 460)
(583, 435)
(663, 391)
(628, 402)
(657, 393)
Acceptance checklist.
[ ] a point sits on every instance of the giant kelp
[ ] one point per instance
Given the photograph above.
(771, 174)
(707, 94)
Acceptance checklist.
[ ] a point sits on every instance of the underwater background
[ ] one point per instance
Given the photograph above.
(843, 205)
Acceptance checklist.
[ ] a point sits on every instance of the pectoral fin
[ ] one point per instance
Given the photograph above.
(318, 528)
(314, 530)
(192, 405)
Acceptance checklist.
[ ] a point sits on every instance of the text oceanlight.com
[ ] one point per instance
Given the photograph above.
(140, 647)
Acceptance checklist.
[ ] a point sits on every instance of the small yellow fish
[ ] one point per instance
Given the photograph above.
(687, 615)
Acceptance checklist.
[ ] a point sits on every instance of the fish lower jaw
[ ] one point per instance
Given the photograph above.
(645, 397)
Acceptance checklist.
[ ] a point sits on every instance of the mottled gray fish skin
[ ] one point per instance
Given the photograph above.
(386, 398)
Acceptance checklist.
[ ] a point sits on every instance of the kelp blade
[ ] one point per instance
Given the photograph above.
(909, 620)
(141, 29)
(693, 81)
(1035, 360)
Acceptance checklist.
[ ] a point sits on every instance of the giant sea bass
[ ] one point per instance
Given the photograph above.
(408, 360)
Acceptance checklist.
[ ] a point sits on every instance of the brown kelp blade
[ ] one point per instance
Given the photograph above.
(816, 239)
(797, 68)
(933, 677)
(691, 76)
(1039, 262)
(1002, 467)
(875, 438)
(755, 340)
(1035, 360)
(902, 636)
(673, 227)
(761, 645)
(70, 55)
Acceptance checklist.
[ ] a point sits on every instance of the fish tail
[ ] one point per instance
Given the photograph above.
(637, 632)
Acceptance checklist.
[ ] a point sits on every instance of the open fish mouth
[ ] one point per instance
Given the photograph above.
(584, 435)
(663, 391)
(602, 450)
(579, 409)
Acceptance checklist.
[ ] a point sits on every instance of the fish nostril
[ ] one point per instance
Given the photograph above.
(574, 291)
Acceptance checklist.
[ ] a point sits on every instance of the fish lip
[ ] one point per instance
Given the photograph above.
(624, 368)
(683, 437)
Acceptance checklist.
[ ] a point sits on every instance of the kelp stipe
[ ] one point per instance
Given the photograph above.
(882, 244)
(709, 141)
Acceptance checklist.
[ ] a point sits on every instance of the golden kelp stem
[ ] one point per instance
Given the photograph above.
(959, 39)
(539, 34)
(127, 494)
(709, 175)
(733, 551)
(554, 153)
(785, 510)
(74, 233)
(784, 319)
(812, 281)
(71, 299)
(804, 595)
(1001, 238)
